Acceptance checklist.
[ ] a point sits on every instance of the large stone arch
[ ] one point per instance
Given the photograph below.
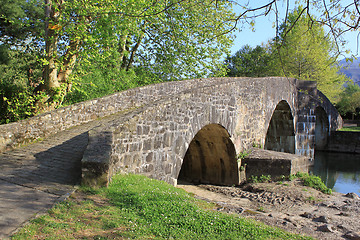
(153, 138)
(210, 158)
(321, 128)
(280, 135)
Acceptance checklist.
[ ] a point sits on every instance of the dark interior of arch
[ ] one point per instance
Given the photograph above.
(210, 158)
(321, 129)
(280, 136)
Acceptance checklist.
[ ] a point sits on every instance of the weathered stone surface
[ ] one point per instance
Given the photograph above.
(352, 195)
(327, 228)
(322, 219)
(43, 125)
(264, 162)
(161, 132)
(342, 141)
(352, 235)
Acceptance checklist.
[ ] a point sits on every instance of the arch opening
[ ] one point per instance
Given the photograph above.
(280, 135)
(210, 158)
(321, 129)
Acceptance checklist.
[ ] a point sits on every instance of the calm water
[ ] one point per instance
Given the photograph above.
(339, 171)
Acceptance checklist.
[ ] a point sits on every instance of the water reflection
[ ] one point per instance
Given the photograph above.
(339, 171)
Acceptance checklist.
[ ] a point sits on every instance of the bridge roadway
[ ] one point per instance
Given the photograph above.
(36, 176)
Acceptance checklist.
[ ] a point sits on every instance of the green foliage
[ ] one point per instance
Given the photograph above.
(311, 198)
(261, 209)
(305, 52)
(188, 40)
(171, 40)
(312, 181)
(260, 179)
(243, 167)
(350, 100)
(242, 155)
(17, 81)
(95, 49)
(250, 62)
(96, 81)
(302, 50)
(137, 207)
(20, 20)
(257, 145)
(350, 129)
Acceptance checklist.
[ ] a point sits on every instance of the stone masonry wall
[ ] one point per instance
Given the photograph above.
(347, 142)
(309, 97)
(305, 119)
(153, 141)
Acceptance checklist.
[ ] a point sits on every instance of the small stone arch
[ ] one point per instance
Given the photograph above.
(321, 128)
(210, 158)
(280, 135)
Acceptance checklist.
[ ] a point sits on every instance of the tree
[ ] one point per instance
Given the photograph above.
(250, 62)
(172, 39)
(21, 27)
(19, 76)
(20, 21)
(168, 39)
(338, 16)
(301, 50)
(305, 52)
(350, 101)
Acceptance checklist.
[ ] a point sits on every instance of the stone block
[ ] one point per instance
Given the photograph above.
(149, 157)
(265, 162)
(147, 144)
(95, 174)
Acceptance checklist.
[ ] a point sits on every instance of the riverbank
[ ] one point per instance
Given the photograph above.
(136, 207)
(290, 206)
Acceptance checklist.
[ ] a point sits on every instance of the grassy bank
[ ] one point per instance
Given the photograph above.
(137, 207)
(350, 129)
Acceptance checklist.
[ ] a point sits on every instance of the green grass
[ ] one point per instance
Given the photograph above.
(350, 129)
(137, 207)
(260, 179)
(312, 181)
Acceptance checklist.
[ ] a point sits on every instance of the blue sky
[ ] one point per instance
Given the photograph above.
(264, 31)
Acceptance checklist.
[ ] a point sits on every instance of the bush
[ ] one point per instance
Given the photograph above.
(97, 82)
(19, 76)
(313, 182)
(261, 179)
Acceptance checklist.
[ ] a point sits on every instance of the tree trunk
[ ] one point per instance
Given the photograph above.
(51, 37)
(133, 51)
(56, 76)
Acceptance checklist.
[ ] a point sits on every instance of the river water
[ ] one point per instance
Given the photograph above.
(339, 171)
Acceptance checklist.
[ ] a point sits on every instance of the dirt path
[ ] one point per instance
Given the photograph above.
(289, 206)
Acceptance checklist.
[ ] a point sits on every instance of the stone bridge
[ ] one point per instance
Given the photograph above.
(187, 129)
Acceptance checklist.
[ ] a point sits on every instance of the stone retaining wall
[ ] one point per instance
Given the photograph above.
(276, 164)
(341, 141)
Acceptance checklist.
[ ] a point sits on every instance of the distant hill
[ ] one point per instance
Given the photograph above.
(352, 70)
